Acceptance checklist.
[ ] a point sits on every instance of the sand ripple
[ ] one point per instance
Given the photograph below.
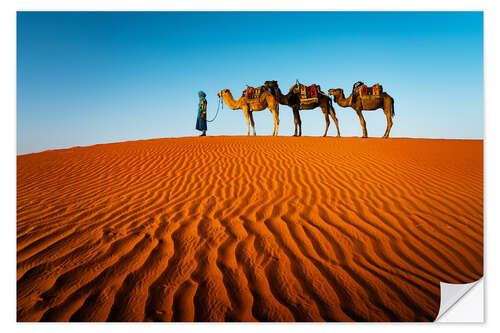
(247, 229)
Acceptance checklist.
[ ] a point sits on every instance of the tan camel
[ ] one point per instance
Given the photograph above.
(266, 100)
(292, 99)
(368, 103)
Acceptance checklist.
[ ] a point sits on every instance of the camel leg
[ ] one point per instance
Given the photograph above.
(275, 113)
(274, 123)
(252, 122)
(277, 119)
(327, 120)
(332, 114)
(245, 112)
(299, 122)
(387, 111)
(389, 123)
(295, 120)
(363, 123)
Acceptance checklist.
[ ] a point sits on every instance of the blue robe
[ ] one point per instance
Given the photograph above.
(201, 123)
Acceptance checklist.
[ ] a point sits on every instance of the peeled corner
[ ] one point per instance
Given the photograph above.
(457, 306)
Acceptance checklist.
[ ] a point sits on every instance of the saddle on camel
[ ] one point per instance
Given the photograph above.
(362, 90)
(307, 94)
(251, 93)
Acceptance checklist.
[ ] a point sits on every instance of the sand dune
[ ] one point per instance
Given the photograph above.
(247, 229)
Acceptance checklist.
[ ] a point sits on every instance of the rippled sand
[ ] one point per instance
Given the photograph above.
(247, 228)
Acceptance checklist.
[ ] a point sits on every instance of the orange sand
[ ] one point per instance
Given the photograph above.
(247, 228)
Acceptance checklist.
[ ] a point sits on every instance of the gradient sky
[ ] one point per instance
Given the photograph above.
(86, 78)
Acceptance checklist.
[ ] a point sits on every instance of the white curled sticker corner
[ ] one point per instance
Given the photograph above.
(453, 295)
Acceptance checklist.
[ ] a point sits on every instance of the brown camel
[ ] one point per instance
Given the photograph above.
(368, 103)
(292, 99)
(266, 100)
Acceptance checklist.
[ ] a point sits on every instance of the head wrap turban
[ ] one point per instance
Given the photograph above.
(201, 94)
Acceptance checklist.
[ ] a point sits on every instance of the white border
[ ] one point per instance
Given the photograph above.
(8, 202)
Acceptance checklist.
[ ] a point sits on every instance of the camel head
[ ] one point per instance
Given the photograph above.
(271, 84)
(336, 93)
(222, 92)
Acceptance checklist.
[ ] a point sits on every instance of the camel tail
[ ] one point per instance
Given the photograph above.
(392, 108)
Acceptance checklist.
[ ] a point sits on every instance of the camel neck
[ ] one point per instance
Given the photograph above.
(283, 99)
(342, 101)
(229, 100)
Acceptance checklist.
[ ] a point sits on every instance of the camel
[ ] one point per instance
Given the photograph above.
(266, 100)
(367, 103)
(292, 99)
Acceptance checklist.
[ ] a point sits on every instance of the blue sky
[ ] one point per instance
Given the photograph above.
(85, 78)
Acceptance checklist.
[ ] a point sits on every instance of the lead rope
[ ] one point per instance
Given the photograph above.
(218, 105)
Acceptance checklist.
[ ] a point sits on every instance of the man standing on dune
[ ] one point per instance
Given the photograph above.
(201, 121)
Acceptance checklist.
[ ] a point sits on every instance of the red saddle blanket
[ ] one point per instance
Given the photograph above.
(375, 90)
(311, 91)
(253, 93)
